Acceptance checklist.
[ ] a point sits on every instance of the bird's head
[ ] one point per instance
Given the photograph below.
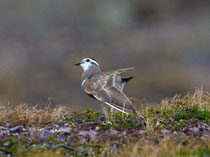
(88, 63)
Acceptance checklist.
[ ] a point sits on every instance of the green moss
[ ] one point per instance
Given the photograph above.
(10, 146)
(37, 148)
(193, 113)
(201, 151)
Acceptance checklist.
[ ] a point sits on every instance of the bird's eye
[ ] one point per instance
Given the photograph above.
(87, 60)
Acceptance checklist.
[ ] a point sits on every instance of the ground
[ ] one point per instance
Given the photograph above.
(177, 126)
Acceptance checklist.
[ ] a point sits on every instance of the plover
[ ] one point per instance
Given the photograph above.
(105, 86)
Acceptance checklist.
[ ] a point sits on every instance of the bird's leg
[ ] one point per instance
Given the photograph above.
(105, 111)
(112, 110)
(140, 116)
(124, 116)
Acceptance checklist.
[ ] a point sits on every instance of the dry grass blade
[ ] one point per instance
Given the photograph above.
(165, 148)
(25, 114)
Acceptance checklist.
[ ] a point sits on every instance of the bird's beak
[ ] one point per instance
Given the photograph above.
(78, 64)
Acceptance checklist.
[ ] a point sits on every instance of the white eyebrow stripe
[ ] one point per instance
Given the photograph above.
(91, 60)
(94, 62)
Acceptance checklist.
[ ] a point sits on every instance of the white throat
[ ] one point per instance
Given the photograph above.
(86, 66)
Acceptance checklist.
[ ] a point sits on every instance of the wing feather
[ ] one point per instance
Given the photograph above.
(107, 87)
(115, 98)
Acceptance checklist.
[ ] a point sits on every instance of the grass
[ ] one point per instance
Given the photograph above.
(172, 113)
(167, 147)
(165, 130)
(29, 115)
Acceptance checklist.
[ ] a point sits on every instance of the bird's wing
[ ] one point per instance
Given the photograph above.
(106, 91)
(116, 99)
(117, 71)
(103, 78)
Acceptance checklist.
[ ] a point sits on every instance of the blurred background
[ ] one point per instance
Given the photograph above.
(167, 42)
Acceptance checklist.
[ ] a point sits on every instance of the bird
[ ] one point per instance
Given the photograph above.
(106, 87)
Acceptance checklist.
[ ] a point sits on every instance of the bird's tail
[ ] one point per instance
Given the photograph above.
(126, 79)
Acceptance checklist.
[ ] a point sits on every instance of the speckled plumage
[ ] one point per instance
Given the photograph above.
(107, 87)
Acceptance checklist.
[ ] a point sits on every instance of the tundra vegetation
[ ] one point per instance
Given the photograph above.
(177, 126)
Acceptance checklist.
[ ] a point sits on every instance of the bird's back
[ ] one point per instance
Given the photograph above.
(108, 79)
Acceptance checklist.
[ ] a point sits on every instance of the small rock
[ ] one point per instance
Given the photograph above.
(158, 123)
(142, 124)
(46, 145)
(177, 135)
(4, 133)
(1, 135)
(64, 146)
(97, 128)
(195, 131)
(2, 128)
(80, 151)
(62, 122)
(63, 130)
(98, 122)
(114, 148)
(60, 139)
(92, 134)
(33, 131)
(80, 121)
(113, 132)
(165, 132)
(71, 139)
(43, 133)
(17, 129)
(141, 132)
